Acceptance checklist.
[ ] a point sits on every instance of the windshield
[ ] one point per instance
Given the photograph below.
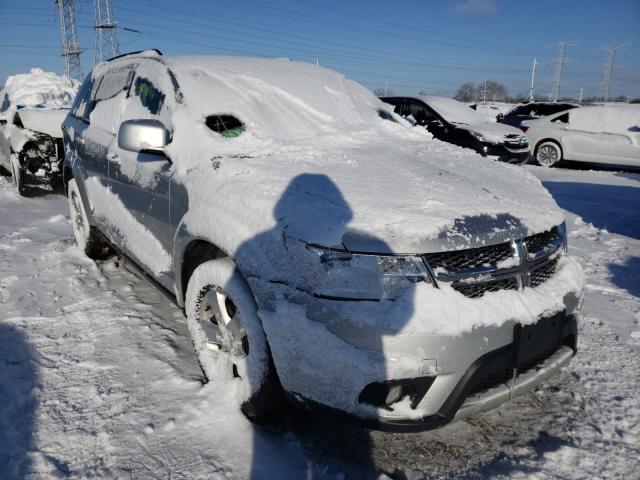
(454, 111)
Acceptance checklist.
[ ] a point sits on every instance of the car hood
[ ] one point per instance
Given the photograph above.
(371, 195)
(47, 121)
(494, 132)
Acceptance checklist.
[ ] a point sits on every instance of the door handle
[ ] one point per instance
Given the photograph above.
(113, 157)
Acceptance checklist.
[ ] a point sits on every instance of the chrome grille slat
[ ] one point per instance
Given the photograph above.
(475, 271)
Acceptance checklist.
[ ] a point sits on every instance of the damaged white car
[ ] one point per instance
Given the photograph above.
(33, 107)
(321, 246)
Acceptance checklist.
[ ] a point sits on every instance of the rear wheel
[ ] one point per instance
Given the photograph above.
(86, 236)
(548, 154)
(228, 337)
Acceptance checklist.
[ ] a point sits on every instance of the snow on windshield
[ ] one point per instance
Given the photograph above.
(454, 111)
(39, 88)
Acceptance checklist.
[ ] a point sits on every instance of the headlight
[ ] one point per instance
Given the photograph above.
(363, 276)
(478, 136)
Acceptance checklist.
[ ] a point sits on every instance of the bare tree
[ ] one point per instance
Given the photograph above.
(491, 91)
(466, 92)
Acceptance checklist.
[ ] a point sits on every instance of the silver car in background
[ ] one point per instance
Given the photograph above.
(285, 208)
(608, 134)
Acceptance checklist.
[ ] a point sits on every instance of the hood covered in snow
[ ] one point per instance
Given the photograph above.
(468, 119)
(47, 121)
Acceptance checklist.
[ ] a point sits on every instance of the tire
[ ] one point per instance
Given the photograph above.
(86, 236)
(228, 338)
(548, 154)
(16, 175)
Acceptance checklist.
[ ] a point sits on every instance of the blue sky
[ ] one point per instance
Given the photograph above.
(412, 45)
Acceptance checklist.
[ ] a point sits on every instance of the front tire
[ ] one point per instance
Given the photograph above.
(227, 334)
(16, 175)
(548, 154)
(86, 236)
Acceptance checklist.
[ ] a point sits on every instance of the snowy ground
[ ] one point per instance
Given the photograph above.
(98, 378)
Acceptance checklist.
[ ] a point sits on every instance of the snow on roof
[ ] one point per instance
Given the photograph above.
(453, 111)
(623, 119)
(39, 88)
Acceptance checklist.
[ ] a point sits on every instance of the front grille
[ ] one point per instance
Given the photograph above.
(504, 374)
(471, 259)
(475, 271)
(544, 273)
(479, 289)
(537, 243)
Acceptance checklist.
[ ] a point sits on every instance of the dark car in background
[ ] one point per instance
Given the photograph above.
(454, 122)
(533, 111)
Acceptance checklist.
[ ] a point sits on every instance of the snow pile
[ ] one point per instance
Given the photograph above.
(620, 119)
(39, 88)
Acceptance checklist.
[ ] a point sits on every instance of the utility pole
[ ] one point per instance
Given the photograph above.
(484, 92)
(580, 99)
(533, 75)
(606, 74)
(316, 61)
(106, 45)
(557, 78)
(70, 47)
(386, 87)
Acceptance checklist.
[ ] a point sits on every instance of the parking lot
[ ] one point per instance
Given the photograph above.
(77, 339)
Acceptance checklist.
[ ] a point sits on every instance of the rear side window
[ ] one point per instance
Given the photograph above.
(561, 119)
(82, 104)
(116, 80)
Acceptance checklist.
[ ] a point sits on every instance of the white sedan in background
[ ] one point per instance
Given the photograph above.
(602, 134)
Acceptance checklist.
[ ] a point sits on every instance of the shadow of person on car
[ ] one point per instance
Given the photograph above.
(320, 352)
(18, 379)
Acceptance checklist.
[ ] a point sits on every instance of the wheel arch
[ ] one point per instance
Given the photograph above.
(552, 140)
(195, 252)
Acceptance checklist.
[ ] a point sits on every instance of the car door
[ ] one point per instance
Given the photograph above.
(142, 180)
(577, 133)
(620, 139)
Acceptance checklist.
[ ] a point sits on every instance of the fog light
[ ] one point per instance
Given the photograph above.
(395, 394)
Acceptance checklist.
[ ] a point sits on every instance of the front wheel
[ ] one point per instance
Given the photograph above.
(16, 174)
(227, 334)
(86, 237)
(548, 154)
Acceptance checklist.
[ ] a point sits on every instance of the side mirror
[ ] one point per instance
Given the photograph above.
(143, 135)
(500, 117)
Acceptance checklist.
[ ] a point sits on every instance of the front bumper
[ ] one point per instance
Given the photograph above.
(505, 153)
(490, 381)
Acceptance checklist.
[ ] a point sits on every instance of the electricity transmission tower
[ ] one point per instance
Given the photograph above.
(70, 47)
(557, 77)
(106, 45)
(606, 76)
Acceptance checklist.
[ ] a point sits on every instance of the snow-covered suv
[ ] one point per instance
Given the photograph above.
(320, 245)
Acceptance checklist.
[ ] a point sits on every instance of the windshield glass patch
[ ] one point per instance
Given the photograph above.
(225, 125)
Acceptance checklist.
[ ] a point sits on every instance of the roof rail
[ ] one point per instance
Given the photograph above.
(134, 53)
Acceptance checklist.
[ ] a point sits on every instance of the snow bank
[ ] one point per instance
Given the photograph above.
(620, 119)
(39, 88)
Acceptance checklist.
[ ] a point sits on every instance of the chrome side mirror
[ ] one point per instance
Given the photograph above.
(143, 135)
